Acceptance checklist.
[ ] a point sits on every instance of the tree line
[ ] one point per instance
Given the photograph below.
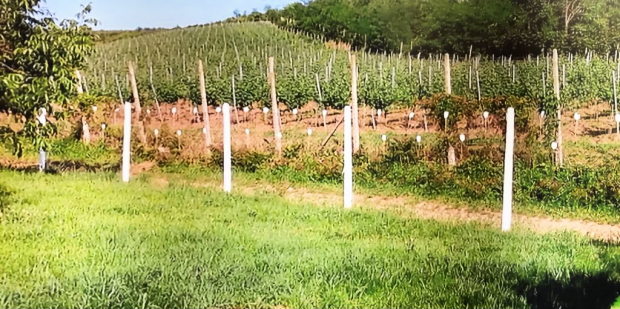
(507, 27)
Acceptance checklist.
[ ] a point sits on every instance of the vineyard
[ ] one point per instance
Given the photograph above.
(310, 70)
(411, 112)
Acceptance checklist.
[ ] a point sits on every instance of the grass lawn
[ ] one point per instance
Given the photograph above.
(86, 240)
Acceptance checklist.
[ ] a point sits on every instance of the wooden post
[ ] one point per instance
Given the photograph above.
(159, 115)
(348, 159)
(234, 97)
(227, 148)
(508, 170)
(469, 78)
(354, 106)
(85, 127)
(134, 90)
(556, 92)
(126, 142)
(80, 88)
(137, 106)
(274, 107)
(329, 136)
(544, 84)
(447, 77)
(205, 105)
(563, 76)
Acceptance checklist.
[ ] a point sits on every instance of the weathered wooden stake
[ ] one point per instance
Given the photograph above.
(234, 96)
(447, 77)
(205, 105)
(80, 88)
(274, 107)
(136, 100)
(134, 89)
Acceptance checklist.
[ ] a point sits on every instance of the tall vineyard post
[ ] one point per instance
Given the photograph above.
(205, 106)
(447, 77)
(134, 89)
(274, 107)
(136, 100)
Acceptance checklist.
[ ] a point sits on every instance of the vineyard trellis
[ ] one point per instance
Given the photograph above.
(308, 70)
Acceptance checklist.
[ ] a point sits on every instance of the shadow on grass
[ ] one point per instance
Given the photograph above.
(598, 132)
(592, 291)
(5, 198)
(55, 167)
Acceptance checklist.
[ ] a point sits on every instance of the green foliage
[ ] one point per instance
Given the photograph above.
(295, 91)
(517, 27)
(254, 88)
(38, 59)
(154, 244)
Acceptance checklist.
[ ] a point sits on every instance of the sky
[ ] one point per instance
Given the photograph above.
(131, 14)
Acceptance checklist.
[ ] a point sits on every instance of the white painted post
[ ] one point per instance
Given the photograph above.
(126, 142)
(485, 117)
(348, 159)
(42, 160)
(577, 117)
(227, 150)
(324, 113)
(42, 153)
(508, 169)
(103, 127)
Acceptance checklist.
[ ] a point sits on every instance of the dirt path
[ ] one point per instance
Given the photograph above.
(409, 207)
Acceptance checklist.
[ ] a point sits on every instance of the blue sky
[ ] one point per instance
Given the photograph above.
(130, 14)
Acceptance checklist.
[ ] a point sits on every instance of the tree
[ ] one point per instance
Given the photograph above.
(571, 9)
(38, 61)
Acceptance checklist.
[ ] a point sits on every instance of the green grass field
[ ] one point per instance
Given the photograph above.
(87, 240)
